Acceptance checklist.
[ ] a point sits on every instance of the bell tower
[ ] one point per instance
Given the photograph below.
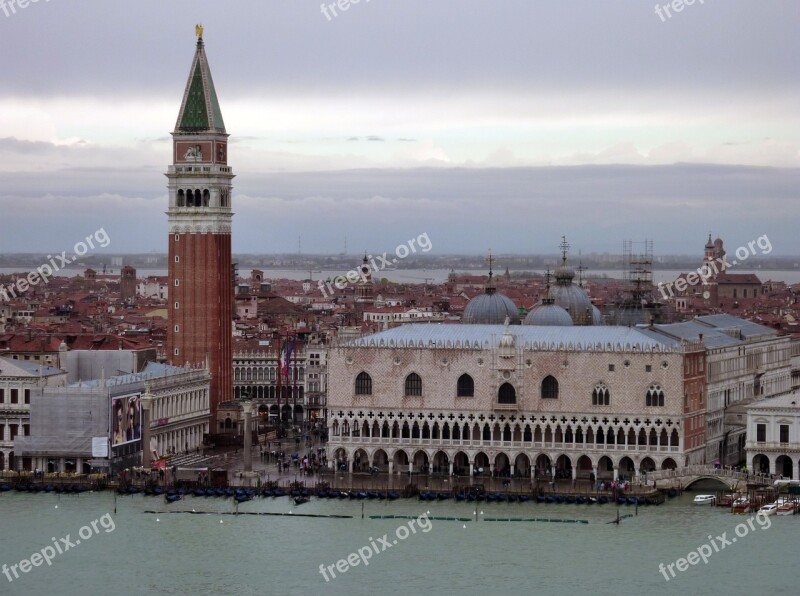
(200, 269)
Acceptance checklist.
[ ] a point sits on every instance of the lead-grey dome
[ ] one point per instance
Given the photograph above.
(571, 298)
(548, 313)
(490, 309)
(597, 316)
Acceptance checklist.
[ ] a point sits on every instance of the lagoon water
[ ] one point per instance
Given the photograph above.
(182, 553)
(418, 276)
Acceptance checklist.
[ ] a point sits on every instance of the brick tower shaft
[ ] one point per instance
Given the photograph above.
(200, 269)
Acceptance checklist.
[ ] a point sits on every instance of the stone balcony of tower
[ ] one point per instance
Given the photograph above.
(199, 170)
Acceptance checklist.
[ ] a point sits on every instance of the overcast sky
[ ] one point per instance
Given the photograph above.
(484, 124)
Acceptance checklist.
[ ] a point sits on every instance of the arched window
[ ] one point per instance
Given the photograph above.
(507, 394)
(601, 396)
(549, 388)
(363, 384)
(655, 396)
(181, 199)
(414, 385)
(206, 198)
(466, 386)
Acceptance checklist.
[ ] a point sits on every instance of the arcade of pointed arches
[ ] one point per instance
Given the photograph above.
(505, 464)
(526, 442)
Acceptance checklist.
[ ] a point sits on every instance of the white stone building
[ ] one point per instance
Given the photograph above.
(18, 381)
(747, 362)
(773, 436)
(96, 424)
(515, 400)
(302, 397)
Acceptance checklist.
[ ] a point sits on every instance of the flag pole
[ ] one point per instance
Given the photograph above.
(280, 374)
(295, 375)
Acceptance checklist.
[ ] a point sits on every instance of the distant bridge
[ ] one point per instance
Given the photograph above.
(685, 477)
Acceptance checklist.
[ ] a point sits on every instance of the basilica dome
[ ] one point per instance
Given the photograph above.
(490, 308)
(548, 313)
(572, 298)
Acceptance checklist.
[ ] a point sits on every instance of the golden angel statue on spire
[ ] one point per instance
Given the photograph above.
(198, 29)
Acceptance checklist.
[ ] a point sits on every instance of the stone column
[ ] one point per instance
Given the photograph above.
(146, 402)
(391, 468)
(616, 473)
(247, 409)
(451, 468)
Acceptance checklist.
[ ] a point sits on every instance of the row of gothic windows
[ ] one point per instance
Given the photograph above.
(507, 394)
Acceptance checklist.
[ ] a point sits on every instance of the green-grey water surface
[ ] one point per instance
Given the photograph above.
(180, 553)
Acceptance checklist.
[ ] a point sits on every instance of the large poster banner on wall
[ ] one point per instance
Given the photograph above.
(126, 417)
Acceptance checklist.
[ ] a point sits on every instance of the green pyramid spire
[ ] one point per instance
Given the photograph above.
(200, 111)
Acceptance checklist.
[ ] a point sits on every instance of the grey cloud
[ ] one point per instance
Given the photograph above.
(465, 210)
